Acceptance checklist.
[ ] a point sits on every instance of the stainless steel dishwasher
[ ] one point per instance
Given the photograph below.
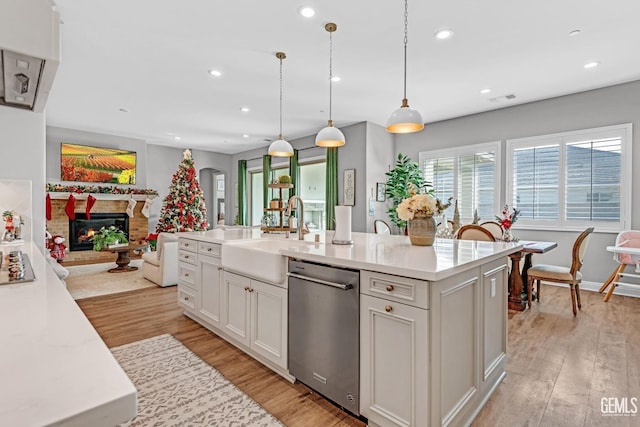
(324, 342)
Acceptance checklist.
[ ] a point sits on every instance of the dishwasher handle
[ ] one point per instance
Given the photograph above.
(321, 282)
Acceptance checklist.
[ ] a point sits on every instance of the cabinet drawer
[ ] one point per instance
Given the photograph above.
(187, 275)
(188, 245)
(187, 298)
(212, 249)
(188, 257)
(395, 288)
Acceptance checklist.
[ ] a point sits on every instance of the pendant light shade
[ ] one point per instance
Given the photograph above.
(330, 136)
(280, 147)
(405, 119)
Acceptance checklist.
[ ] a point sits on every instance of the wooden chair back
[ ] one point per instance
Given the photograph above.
(475, 232)
(381, 227)
(494, 227)
(579, 249)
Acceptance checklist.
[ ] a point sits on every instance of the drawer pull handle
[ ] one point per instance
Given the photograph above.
(209, 249)
(246, 288)
(389, 288)
(219, 268)
(187, 257)
(186, 274)
(251, 289)
(186, 298)
(388, 309)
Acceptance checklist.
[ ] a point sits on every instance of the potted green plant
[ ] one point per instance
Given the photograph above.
(403, 181)
(108, 236)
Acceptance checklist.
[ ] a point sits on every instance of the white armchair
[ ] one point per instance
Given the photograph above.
(161, 266)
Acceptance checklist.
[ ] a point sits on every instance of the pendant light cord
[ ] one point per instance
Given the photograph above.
(330, 75)
(406, 18)
(280, 99)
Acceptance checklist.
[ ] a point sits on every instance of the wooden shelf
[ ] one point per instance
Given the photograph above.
(281, 229)
(277, 209)
(280, 185)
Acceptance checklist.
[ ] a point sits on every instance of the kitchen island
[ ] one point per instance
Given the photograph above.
(54, 368)
(433, 320)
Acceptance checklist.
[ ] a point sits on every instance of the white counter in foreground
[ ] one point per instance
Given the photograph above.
(54, 368)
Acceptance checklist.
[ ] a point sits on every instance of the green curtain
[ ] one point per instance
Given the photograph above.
(294, 172)
(332, 186)
(266, 179)
(242, 192)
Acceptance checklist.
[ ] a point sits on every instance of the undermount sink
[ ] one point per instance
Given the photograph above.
(259, 258)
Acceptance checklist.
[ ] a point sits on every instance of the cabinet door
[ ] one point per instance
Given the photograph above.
(269, 322)
(235, 307)
(393, 362)
(209, 274)
(494, 320)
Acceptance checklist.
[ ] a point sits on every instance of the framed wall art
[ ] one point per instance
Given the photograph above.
(381, 189)
(349, 187)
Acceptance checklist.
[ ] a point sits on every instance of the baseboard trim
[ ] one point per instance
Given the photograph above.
(624, 290)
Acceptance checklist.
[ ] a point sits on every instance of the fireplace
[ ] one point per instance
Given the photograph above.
(81, 229)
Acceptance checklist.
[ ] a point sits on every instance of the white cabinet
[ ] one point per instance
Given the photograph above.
(393, 362)
(210, 278)
(188, 284)
(254, 313)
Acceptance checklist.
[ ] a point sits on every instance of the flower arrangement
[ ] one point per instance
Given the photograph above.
(108, 236)
(508, 217)
(423, 204)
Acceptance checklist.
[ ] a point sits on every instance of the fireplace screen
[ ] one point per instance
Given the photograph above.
(81, 229)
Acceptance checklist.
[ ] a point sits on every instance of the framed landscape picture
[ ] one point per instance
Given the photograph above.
(84, 163)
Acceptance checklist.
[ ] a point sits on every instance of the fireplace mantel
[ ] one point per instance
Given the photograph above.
(55, 195)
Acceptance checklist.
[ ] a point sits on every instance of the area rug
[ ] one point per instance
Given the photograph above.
(177, 388)
(92, 280)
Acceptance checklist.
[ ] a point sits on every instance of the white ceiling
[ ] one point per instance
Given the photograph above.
(151, 58)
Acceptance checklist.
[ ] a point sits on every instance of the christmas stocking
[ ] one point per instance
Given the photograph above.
(47, 207)
(90, 202)
(70, 209)
(132, 204)
(146, 207)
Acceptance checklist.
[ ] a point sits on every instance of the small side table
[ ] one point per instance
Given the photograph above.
(123, 257)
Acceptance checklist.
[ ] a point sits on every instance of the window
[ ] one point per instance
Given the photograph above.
(572, 179)
(468, 174)
(256, 197)
(312, 190)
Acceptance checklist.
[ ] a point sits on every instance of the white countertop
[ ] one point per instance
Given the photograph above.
(54, 368)
(376, 252)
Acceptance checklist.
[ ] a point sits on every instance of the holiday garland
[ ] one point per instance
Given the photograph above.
(98, 189)
(183, 209)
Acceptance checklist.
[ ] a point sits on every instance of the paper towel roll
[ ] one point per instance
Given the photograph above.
(343, 225)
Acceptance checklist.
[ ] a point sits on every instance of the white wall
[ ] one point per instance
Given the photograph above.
(601, 107)
(23, 157)
(379, 160)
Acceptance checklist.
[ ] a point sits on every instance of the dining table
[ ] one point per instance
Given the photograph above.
(518, 280)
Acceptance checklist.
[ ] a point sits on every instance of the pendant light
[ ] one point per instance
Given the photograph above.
(405, 119)
(280, 147)
(330, 136)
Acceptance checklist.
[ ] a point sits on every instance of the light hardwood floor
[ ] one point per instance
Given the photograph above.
(559, 366)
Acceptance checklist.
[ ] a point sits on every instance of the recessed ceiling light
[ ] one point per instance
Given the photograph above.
(244, 135)
(307, 11)
(215, 73)
(591, 64)
(177, 138)
(484, 91)
(245, 109)
(335, 79)
(574, 33)
(443, 34)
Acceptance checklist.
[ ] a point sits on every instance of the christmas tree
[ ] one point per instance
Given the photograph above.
(183, 209)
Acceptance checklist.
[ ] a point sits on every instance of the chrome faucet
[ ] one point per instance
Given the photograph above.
(291, 204)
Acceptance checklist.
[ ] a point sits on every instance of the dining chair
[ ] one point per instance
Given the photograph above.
(625, 239)
(475, 232)
(381, 227)
(494, 227)
(560, 274)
